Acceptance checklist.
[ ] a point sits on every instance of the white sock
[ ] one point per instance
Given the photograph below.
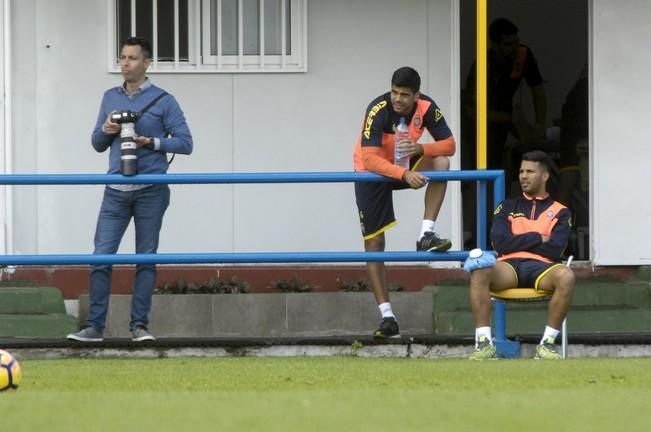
(427, 226)
(385, 310)
(483, 332)
(549, 333)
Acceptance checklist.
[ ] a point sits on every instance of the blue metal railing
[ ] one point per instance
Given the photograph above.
(481, 177)
(232, 258)
(231, 178)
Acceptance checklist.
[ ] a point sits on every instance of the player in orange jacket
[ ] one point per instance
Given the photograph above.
(374, 152)
(529, 234)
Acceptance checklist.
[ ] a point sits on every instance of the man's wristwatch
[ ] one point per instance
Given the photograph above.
(150, 143)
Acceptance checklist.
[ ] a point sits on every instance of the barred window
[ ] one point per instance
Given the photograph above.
(215, 35)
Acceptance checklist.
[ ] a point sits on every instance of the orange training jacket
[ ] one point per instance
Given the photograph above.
(519, 224)
(374, 149)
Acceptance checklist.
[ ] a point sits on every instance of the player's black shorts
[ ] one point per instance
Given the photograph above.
(529, 272)
(375, 203)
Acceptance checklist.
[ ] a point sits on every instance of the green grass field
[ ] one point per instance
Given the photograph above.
(329, 394)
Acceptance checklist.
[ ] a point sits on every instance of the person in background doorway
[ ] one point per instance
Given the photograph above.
(510, 63)
(574, 137)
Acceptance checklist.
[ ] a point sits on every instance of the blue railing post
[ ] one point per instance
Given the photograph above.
(506, 348)
(482, 223)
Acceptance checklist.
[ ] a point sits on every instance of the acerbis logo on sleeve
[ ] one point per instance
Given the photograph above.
(371, 116)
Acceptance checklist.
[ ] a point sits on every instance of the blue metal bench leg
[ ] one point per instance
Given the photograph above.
(505, 348)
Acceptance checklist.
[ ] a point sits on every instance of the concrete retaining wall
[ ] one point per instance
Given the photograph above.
(263, 315)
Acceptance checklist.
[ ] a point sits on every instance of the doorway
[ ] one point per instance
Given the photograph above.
(555, 34)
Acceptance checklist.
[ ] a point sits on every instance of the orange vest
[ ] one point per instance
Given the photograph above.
(543, 225)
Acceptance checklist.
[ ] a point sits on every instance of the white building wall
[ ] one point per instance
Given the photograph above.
(3, 190)
(298, 122)
(621, 145)
(240, 123)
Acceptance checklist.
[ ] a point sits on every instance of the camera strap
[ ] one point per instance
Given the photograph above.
(151, 104)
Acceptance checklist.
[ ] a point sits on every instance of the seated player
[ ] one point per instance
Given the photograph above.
(529, 233)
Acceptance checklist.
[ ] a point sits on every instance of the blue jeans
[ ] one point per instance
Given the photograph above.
(147, 207)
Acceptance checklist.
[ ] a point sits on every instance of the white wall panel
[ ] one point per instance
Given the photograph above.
(621, 231)
(24, 123)
(5, 216)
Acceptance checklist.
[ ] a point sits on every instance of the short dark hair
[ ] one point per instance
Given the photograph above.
(142, 42)
(501, 27)
(406, 77)
(541, 157)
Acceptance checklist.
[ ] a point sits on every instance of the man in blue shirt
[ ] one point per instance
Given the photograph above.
(160, 129)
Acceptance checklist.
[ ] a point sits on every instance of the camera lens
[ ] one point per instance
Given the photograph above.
(128, 150)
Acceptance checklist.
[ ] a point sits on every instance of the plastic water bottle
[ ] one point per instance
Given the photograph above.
(402, 131)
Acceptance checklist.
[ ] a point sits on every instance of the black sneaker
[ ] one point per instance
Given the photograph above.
(388, 329)
(431, 242)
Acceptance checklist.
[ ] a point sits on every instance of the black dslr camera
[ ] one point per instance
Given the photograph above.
(125, 117)
(128, 147)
